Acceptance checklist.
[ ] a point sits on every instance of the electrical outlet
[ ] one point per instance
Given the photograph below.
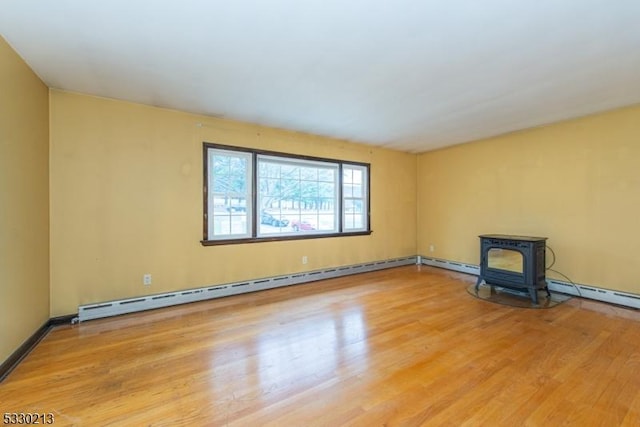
(432, 248)
(146, 279)
(304, 259)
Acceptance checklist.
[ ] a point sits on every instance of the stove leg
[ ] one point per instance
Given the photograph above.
(478, 283)
(534, 295)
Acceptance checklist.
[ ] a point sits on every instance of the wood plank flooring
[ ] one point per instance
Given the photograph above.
(406, 346)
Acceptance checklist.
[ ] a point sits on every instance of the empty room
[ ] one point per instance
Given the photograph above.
(321, 213)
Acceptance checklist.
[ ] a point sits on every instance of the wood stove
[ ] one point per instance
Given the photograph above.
(513, 262)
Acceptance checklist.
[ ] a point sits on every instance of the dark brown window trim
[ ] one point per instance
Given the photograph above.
(279, 239)
(254, 226)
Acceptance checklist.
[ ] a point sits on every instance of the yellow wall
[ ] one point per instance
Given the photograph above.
(576, 182)
(126, 192)
(126, 179)
(24, 202)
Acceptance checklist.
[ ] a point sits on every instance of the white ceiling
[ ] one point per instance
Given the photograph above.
(411, 75)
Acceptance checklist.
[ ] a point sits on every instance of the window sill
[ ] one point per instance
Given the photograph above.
(282, 238)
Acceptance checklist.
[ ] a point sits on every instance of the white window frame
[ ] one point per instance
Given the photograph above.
(354, 197)
(235, 213)
(315, 219)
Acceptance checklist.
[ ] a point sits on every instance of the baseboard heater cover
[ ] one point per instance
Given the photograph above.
(585, 291)
(131, 305)
(451, 265)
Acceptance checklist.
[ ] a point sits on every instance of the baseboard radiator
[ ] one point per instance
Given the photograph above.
(131, 305)
(585, 291)
(149, 302)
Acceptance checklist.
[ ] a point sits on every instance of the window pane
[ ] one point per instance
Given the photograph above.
(326, 222)
(271, 187)
(353, 206)
(300, 199)
(354, 198)
(289, 171)
(309, 174)
(310, 189)
(229, 207)
(269, 170)
(347, 190)
(326, 189)
(327, 175)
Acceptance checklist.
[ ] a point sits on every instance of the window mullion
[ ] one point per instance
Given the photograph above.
(340, 199)
(254, 195)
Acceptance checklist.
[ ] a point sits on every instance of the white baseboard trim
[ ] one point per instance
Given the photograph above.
(592, 292)
(149, 302)
(451, 265)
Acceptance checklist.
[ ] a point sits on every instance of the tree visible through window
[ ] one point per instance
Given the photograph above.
(253, 195)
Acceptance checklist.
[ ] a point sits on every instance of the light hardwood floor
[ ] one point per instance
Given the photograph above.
(406, 346)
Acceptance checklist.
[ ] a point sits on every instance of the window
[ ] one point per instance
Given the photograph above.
(354, 191)
(230, 191)
(255, 195)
